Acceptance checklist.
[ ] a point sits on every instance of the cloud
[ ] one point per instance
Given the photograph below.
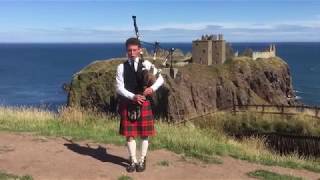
(171, 32)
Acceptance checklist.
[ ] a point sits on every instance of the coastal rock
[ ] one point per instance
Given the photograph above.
(196, 89)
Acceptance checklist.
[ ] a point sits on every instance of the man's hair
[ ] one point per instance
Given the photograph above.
(133, 41)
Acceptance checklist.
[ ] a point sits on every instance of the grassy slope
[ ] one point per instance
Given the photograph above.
(188, 140)
(301, 124)
(227, 70)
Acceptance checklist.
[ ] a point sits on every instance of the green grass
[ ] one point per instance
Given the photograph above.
(204, 144)
(6, 176)
(267, 175)
(163, 163)
(124, 177)
(262, 123)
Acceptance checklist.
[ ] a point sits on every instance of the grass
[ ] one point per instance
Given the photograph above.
(262, 123)
(204, 144)
(124, 177)
(228, 69)
(267, 175)
(163, 163)
(6, 176)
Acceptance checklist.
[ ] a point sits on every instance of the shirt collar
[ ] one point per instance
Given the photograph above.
(136, 60)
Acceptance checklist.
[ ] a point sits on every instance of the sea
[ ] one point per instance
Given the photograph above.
(33, 74)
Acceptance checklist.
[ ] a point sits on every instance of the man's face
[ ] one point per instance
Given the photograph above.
(133, 51)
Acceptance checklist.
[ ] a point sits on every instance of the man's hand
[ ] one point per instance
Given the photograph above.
(148, 91)
(139, 99)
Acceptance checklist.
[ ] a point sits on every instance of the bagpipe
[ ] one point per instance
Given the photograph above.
(148, 77)
(145, 79)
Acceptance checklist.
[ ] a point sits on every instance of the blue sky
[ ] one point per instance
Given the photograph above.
(164, 21)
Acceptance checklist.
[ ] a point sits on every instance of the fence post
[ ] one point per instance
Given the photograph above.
(316, 109)
(282, 109)
(233, 104)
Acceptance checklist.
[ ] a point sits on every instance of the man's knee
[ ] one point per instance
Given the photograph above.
(144, 137)
(130, 138)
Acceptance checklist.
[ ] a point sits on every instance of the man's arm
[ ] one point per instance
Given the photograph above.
(159, 81)
(120, 89)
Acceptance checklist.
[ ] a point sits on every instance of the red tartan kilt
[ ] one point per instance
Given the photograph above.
(143, 127)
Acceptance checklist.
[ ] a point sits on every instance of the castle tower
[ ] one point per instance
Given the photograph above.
(274, 49)
(202, 51)
(209, 50)
(219, 50)
(270, 47)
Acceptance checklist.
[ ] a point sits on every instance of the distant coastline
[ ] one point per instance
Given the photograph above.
(46, 66)
(167, 42)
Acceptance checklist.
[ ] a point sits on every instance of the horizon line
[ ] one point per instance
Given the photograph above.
(184, 42)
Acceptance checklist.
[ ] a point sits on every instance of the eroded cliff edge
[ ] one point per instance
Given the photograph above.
(196, 89)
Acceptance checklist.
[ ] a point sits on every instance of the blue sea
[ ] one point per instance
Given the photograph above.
(33, 74)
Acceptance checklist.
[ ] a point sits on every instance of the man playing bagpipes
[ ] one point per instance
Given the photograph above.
(136, 80)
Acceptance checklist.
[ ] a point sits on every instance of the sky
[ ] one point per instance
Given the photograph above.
(164, 21)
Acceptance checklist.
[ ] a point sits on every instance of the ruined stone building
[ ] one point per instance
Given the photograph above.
(270, 52)
(209, 50)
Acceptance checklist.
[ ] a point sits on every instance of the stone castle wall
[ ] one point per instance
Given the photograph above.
(209, 50)
(271, 52)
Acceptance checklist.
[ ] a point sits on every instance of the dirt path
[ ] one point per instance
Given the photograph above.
(58, 158)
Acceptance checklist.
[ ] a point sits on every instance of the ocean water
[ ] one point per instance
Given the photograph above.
(33, 74)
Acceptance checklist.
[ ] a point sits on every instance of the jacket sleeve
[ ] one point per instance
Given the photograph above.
(159, 81)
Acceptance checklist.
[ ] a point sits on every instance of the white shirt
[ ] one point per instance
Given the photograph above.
(120, 89)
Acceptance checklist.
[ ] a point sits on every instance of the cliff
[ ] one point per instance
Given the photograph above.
(195, 90)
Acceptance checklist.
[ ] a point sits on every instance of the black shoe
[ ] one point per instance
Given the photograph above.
(141, 166)
(132, 166)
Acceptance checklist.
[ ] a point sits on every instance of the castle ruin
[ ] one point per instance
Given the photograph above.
(270, 52)
(210, 50)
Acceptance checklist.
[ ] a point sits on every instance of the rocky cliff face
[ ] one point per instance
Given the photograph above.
(196, 89)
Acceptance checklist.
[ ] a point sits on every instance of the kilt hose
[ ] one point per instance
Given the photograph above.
(141, 127)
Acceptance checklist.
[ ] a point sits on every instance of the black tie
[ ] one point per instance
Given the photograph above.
(132, 65)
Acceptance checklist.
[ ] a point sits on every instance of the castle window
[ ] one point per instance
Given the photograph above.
(204, 51)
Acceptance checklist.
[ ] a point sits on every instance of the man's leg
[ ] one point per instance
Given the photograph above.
(131, 144)
(144, 150)
(144, 146)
